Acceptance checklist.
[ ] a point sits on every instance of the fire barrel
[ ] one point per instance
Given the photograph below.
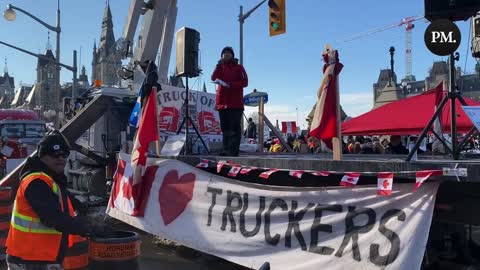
(77, 256)
(5, 216)
(119, 252)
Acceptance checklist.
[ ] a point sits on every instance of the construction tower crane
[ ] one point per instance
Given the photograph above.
(408, 23)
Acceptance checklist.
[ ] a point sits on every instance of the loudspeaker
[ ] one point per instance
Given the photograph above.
(454, 10)
(187, 41)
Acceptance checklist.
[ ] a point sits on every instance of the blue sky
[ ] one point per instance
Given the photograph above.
(288, 67)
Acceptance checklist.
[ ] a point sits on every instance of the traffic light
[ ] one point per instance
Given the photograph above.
(277, 17)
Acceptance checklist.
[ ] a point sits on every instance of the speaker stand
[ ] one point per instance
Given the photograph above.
(186, 120)
(452, 95)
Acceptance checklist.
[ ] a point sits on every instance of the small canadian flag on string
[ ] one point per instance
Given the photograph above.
(320, 173)
(350, 179)
(234, 171)
(385, 183)
(203, 163)
(422, 176)
(297, 173)
(220, 165)
(266, 175)
(247, 170)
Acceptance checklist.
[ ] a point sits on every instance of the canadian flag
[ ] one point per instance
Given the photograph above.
(203, 163)
(133, 182)
(385, 184)
(297, 173)
(220, 165)
(422, 176)
(289, 127)
(131, 199)
(266, 175)
(146, 134)
(350, 179)
(247, 170)
(234, 171)
(320, 173)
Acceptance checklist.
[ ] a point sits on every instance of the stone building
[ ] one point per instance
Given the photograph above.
(106, 61)
(7, 88)
(385, 92)
(44, 96)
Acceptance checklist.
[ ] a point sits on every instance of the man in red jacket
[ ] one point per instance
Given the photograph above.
(231, 79)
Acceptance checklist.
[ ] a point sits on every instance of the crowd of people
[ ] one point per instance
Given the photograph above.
(394, 144)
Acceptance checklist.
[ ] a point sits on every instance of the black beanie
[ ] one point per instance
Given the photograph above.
(228, 48)
(53, 143)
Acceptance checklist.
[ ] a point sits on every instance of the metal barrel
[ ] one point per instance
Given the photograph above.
(77, 256)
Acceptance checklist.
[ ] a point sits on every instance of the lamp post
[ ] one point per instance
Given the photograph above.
(392, 52)
(11, 15)
(241, 18)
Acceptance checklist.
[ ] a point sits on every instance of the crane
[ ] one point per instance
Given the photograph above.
(408, 23)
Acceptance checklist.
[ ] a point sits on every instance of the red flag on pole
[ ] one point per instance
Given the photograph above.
(289, 127)
(324, 122)
(136, 182)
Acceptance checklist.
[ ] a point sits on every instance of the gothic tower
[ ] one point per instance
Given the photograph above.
(106, 61)
(7, 87)
(45, 86)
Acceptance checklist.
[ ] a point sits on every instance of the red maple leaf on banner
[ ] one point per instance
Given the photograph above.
(386, 184)
(128, 188)
(350, 179)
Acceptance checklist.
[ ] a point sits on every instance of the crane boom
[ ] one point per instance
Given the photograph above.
(380, 29)
(408, 23)
(159, 17)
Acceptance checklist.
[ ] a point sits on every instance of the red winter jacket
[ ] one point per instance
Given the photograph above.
(235, 76)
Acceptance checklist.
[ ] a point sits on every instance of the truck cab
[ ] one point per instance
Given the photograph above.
(21, 129)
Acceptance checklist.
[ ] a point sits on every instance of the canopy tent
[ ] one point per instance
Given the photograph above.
(407, 117)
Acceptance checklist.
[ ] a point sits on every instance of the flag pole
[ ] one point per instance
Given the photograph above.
(157, 142)
(337, 141)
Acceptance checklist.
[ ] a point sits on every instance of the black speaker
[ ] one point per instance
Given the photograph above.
(187, 41)
(454, 10)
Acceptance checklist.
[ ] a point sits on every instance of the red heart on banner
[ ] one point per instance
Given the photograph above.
(175, 194)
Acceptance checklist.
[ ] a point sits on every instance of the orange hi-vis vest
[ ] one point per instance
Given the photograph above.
(28, 238)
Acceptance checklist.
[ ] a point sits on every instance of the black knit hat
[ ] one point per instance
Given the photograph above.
(53, 143)
(228, 48)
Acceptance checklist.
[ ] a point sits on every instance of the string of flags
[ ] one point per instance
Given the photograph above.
(349, 179)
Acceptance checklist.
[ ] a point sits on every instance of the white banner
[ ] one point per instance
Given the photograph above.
(292, 228)
(201, 105)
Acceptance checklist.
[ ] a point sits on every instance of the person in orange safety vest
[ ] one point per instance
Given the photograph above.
(44, 220)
